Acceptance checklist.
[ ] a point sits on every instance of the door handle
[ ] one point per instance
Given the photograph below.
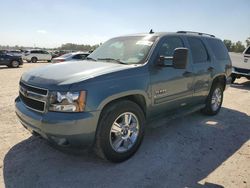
(187, 73)
(210, 69)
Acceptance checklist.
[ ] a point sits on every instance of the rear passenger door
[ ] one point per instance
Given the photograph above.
(46, 55)
(203, 68)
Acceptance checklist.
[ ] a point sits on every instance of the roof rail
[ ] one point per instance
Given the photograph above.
(193, 32)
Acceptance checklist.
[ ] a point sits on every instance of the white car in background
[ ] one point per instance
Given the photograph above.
(241, 64)
(37, 55)
(74, 56)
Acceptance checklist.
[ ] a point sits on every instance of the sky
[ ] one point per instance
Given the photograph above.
(50, 23)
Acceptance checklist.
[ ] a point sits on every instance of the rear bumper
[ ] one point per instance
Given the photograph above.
(63, 129)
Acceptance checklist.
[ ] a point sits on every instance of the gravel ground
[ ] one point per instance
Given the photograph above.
(192, 151)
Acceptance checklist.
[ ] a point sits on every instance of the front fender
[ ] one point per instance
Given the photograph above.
(122, 95)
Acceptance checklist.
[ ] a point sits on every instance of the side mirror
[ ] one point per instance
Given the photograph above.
(179, 59)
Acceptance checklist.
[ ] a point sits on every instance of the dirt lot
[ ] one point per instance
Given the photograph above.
(193, 151)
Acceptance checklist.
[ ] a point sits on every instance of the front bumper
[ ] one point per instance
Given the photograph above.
(64, 129)
(241, 72)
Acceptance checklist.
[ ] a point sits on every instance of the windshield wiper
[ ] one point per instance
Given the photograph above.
(90, 58)
(112, 59)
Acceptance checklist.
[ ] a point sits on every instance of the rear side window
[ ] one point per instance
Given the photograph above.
(218, 48)
(198, 50)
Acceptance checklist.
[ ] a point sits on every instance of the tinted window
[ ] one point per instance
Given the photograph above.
(35, 52)
(79, 56)
(45, 52)
(219, 49)
(198, 50)
(169, 45)
(248, 51)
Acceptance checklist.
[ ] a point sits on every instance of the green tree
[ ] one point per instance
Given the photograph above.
(248, 41)
(228, 44)
(237, 47)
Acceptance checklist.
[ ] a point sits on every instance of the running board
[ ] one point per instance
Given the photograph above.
(163, 119)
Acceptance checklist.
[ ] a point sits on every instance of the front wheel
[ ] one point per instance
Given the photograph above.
(120, 131)
(214, 100)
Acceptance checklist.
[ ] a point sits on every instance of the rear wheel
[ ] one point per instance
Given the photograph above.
(233, 78)
(33, 59)
(214, 100)
(120, 131)
(15, 64)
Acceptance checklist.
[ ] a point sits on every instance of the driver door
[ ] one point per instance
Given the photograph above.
(171, 88)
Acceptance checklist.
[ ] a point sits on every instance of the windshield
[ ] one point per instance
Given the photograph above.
(128, 50)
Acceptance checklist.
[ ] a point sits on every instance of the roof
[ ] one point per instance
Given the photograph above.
(180, 33)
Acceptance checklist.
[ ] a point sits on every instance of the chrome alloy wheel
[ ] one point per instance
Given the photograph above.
(124, 132)
(216, 99)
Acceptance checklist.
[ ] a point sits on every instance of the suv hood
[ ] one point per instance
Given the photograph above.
(70, 72)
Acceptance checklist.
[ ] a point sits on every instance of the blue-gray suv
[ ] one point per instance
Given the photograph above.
(105, 100)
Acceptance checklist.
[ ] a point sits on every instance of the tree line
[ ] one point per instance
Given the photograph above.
(236, 46)
(78, 47)
(231, 46)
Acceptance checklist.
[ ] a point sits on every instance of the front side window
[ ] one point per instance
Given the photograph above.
(169, 45)
(128, 50)
(198, 50)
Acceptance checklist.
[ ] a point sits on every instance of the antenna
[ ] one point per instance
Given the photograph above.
(151, 31)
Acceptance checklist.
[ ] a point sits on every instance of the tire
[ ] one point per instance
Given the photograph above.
(214, 100)
(233, 79)
(118, 142)
(15, 64)
(33, 59)
(49, 61)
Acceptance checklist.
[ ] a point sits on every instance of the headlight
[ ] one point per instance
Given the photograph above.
(67, 101)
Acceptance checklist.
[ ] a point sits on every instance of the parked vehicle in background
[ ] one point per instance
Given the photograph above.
(15, 52)
(37, 55)
(241, 64)
(10, 60)
(75, 56)
(58, 53)
(105, 101)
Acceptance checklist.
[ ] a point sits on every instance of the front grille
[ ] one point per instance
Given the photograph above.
(31, 103)
(33, 97)
(246, 71)
(34, 89)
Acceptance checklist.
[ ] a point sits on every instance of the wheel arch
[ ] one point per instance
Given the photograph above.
(220, 78)
(137, 97)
